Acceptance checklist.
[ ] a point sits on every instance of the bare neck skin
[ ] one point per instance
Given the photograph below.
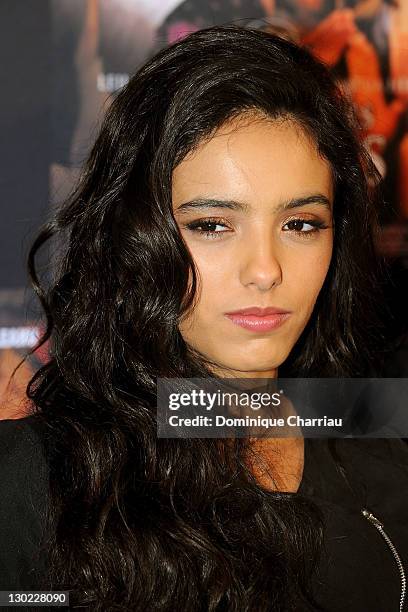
(278, 463)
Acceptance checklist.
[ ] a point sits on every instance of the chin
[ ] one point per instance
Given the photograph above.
(254, 366)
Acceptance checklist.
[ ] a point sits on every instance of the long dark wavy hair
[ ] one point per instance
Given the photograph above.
(148, 524)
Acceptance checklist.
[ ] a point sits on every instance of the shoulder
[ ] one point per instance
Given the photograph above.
(23, 466)
(385, 450)
(31, 425)
(21, 441)
(377, 468)
(385, 458)
(23, 498)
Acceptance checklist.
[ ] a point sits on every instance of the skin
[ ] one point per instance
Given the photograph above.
(255, 257)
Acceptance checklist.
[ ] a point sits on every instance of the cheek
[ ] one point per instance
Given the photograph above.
(215, 268)
(213, 275)
(306, 274)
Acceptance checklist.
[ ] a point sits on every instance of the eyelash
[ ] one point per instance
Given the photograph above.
(194, 225)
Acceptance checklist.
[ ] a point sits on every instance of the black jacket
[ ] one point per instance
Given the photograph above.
(362, 568)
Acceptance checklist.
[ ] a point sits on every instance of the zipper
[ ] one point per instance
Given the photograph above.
(380, 527)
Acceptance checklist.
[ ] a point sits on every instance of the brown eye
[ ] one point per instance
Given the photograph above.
(207, 227)
(297, 226)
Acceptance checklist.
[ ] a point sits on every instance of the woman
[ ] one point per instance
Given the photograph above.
(227, 174)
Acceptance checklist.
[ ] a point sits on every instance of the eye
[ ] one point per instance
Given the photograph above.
(212, 228)
(297, 224)
(207, 227)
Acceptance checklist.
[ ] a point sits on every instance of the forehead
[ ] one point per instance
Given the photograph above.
(252, 157)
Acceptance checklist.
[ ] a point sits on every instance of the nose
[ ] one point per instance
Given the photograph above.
(260, 263)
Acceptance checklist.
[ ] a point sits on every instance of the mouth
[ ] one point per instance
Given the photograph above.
(258, 323)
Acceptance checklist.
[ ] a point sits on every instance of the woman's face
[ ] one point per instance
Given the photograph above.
(254, 206)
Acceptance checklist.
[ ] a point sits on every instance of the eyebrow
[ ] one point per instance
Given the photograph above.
(200, 203)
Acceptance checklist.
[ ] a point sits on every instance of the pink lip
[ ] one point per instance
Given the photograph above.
(260, 312)
(259, 319)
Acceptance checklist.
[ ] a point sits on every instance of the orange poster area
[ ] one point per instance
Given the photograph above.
(337, 36)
